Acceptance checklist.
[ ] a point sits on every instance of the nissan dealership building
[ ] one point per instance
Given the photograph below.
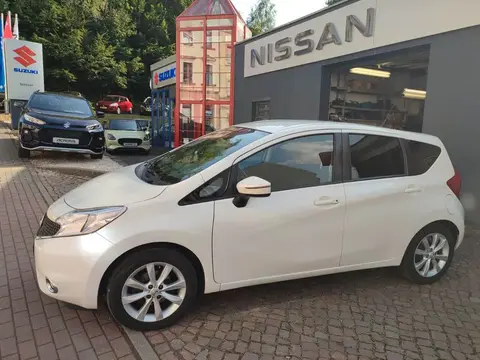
(404, 64)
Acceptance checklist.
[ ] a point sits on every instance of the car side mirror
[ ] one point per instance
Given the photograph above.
(252, 186)
(100, 114)
(19, 104)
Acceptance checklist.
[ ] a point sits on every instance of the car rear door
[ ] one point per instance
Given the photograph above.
(381, 200)
(294, 232)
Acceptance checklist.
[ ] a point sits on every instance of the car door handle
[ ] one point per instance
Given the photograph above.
(413, 189)
(325, 201)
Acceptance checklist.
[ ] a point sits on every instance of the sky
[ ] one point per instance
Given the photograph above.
(287, 10)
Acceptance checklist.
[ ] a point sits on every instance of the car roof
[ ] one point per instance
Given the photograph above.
(280, 127)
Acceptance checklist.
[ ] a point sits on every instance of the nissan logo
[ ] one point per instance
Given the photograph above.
(66, 125)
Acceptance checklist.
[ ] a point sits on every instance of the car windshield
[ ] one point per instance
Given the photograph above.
(111, 98)
(191, 158)
(131, 125)
(59, 103)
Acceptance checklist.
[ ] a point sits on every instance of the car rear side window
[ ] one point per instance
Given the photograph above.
(374, 156)
(421, 156)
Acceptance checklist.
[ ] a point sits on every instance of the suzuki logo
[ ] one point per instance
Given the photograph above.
(66, 125)
(25, 56)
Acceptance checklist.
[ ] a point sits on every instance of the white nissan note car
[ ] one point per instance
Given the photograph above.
(254, 203)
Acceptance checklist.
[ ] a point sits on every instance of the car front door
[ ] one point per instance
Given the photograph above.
(294, 232)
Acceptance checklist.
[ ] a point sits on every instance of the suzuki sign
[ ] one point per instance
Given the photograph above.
(164, 76)
(24, 68)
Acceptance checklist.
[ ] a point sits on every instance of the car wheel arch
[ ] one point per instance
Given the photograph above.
(447, 223)
(185, 251)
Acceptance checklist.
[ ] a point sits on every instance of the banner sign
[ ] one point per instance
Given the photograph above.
(23, 68)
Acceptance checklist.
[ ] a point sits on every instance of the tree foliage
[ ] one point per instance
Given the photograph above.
(262, 17)
(99, 46)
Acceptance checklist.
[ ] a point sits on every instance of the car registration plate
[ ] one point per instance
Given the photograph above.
(130, 144)
(103, 107)
(66, 141)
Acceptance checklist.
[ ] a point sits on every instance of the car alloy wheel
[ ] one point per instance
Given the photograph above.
(152, 288)
(431, 255)
(153, 292)
(119, 111)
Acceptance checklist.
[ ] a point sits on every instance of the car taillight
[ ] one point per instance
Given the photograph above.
(455, 183)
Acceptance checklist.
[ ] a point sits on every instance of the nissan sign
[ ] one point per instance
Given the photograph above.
(356, 26)
(24, 68)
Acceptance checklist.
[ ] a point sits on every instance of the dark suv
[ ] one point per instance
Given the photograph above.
(60, 122)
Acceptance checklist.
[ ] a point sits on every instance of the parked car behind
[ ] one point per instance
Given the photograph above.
(131, 134)
(251, 204)
(115, 104)
(59, 122)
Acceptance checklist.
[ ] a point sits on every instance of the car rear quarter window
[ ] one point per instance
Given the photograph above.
(421, 156)
(374, 156)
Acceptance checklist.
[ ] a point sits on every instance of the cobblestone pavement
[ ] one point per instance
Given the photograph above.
(361, 315)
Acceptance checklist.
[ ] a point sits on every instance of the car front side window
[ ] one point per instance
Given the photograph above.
(296, 163)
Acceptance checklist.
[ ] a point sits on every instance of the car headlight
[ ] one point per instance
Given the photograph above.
(82, 222)
(114, 104)
(147, 136)
(94, 127)
(33, 120)
(110, 137)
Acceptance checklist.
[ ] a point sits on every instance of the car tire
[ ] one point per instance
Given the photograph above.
(119, 111)
(23, 153)
(130, 111)
(181, 270)
(96, 156)
(420, 251)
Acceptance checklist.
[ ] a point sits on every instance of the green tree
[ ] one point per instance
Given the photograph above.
(331, 2)
(262, 17)
(99, 46)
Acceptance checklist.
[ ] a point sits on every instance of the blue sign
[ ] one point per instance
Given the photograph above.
(25, 71)
(167, 74)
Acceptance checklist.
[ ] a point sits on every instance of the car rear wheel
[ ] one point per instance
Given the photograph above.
(96, 156)
(119, 111)
(23, 153)
(429, 255)
(152, 289)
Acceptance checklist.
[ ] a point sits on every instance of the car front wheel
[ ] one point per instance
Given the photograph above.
(119, 111)
(429, 254)
(152, 289)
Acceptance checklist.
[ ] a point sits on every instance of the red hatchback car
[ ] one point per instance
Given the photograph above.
(115, 104)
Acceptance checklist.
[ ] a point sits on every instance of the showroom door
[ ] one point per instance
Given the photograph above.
(295, 231)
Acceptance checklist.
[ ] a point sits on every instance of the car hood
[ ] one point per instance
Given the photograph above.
(123, 134)
(121, 187)
(53, 117)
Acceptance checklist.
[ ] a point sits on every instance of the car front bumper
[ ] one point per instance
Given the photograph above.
(115, 145)
(73, 266)
(41, 139)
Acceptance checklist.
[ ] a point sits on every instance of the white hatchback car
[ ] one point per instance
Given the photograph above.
(254, 203)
